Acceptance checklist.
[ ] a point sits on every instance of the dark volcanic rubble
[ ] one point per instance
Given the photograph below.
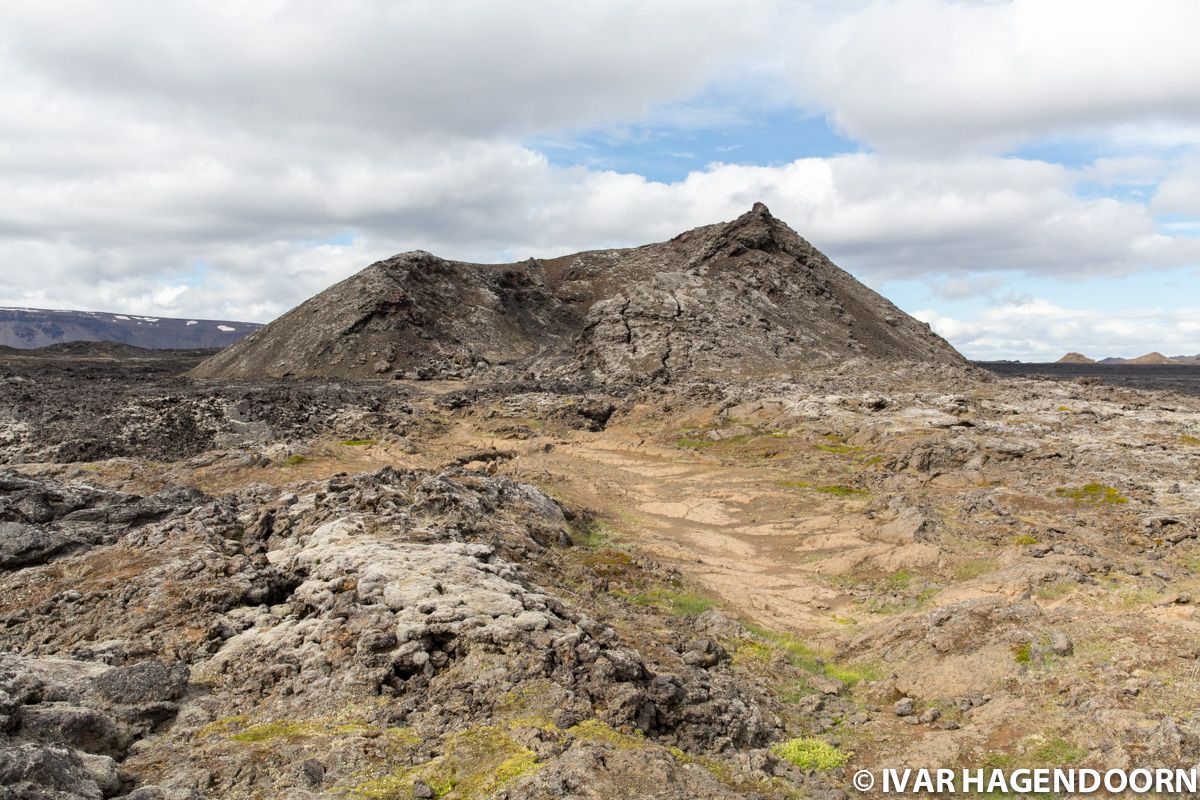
(745, 299)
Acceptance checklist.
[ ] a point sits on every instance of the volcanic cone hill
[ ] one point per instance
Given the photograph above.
(743, 299)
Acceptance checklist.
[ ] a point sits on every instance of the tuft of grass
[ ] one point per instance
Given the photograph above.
(1022, 653)
(357, 442)
(596, 535)
(838, 490)
(1024, 539)
(795, 691)
(294, 460)
(811, 754)
(680, 603)
(1056, 591)
(1057, 752)
(973, 568)
(1092, 493)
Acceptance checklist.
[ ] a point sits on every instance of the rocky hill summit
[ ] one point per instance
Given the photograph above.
(744, 299)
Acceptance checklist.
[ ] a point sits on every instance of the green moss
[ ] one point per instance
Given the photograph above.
(1022, 653)
(595, 730)
(813, 754)
(269, 731)
(1092, 493)
(692, 443)
(1189, 439)
(1025, 539)
(838, 448)
(294, 460)
(475, 763)
(358, 442)
(608, 562)
(221, 726)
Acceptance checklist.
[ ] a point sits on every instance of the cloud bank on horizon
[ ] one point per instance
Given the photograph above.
(1024, 175)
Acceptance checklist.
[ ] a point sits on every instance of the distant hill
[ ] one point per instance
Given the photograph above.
(741, 299)
(26, 328)
(1149, 358)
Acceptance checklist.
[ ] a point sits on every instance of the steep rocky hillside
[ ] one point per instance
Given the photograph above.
(744, 299)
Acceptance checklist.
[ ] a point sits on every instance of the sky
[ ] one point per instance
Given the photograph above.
(1024, 175)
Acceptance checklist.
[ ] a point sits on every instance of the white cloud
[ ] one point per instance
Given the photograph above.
(1180, 192)
(1038, 330)
(927, 75)
(882, 218)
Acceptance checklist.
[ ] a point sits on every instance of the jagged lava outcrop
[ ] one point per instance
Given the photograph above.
(744, 299)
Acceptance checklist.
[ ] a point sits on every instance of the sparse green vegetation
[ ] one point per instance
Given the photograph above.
(294, 460)
(1187, 438)
(1022, 653)
(1092, 493)
(767, 643)
(814, 754)
(1025, 539)
(692, 443)
(358, 442)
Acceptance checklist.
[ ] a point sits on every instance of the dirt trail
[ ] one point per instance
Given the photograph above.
(739, 532)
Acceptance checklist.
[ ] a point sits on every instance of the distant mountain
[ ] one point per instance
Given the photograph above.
(1149, 358)
(27, 328)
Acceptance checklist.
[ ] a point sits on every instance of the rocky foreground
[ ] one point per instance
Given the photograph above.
(429, 589)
